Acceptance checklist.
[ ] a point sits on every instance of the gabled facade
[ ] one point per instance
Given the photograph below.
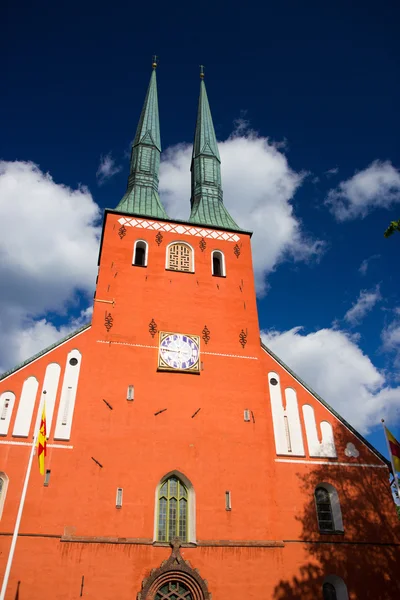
(185, 460)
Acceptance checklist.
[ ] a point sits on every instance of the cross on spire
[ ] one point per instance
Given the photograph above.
(201, 71)
(155, 61)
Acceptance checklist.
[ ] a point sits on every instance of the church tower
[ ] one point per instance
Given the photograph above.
(185, 461)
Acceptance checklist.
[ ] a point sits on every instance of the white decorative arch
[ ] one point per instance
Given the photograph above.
(184, 243)
(26, 406)
(335, 505)
(191, 504)
(7, 400)
(49, 394)
(142, 244)
(68, 394)
(3, 491)
(339, 585)
(316, 447)
(221, 257)
(286, 419)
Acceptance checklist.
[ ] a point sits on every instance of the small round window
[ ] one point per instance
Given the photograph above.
(73, 362)
(273, 381)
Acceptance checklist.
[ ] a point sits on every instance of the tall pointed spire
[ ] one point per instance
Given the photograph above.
(141, 196)
(206, 200)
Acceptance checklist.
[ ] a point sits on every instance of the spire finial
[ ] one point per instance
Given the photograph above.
(201, 71)
(155, 61)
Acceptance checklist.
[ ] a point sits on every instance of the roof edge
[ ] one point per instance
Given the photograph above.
(324, 403)
(43, 352)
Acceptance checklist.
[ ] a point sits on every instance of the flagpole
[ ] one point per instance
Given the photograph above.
(395, 476)
(20, 509)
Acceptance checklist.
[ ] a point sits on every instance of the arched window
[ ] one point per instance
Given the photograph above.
(174, 589)
(172, 510)
(218, 264)
(180, 257)
(327, 503)
(3, 490)
(329, 591)
(334, 588)
(140, 252)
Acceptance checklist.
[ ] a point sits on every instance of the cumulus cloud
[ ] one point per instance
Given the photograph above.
(258, 186)
(336, 368)
(364, 304)
(365, 264)
(49, 236)
(107, 168)
(377, 186)
(391, 338)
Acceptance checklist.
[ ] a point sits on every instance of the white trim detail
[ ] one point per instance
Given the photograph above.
(286, 419)
(146, 252)
(213, 234)
(328, 463)
(339, 585)
(191, 505)
(326, 407)
(222, 260)
(26, 406)
(13, 443)
(50, 386)
(316, 447)
(152, 347)
(68, 395)
(3, 494)
(7, 400)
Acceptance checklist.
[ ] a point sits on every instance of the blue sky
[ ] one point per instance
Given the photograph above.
(304, 99)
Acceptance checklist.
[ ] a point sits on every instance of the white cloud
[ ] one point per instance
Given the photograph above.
(376, 186)
(107, 168)
(258, 188)
(49, 238)
(365, 264)
(365, 302)
(336, 368)
(391, 339)
(333, 171)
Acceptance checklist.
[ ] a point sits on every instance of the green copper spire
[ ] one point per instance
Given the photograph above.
(206, 201)
(141, 196)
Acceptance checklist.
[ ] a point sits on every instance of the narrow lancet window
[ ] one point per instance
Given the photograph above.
(218, 264)
(140, 254)
(172, 511)
(324, 510)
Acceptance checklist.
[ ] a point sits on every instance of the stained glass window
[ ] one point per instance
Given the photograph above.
(180, 257)
(172, 510)
(324, 510)
(174, 590)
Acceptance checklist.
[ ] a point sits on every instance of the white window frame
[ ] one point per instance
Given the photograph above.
(184, 242)
(146, 252)
(223, 267)
(191, 537)
(339, 585)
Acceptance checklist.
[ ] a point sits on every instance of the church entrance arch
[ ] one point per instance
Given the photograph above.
(175, 579)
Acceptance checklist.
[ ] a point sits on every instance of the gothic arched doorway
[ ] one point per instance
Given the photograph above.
(174, 580)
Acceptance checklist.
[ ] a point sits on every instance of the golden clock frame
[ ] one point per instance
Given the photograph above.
(163, 366)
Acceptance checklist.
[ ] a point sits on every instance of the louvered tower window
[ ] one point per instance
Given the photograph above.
(180, 257)
(329, 591)
(172, 511)
(324, 510)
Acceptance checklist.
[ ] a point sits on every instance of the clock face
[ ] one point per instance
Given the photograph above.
(179, 352)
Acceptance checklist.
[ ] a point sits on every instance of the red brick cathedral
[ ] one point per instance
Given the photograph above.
(185, 461)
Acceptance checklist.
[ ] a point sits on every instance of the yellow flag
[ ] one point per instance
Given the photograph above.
(41, 442)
